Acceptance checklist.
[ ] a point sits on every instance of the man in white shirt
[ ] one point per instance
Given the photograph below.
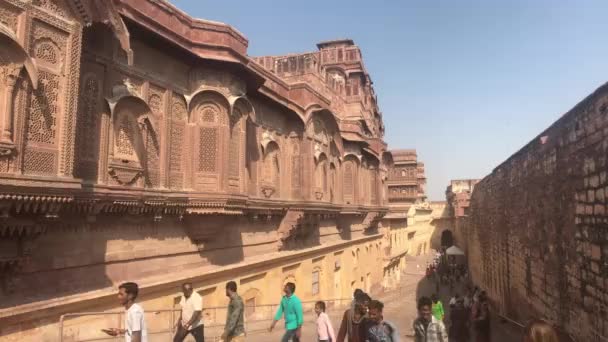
(453, 300)
(190, 319)
(135, 323)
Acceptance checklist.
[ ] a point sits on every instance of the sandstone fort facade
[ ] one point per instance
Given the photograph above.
(138, 143)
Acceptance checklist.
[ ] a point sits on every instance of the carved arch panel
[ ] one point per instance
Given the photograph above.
(320, 174)
(209, 128)
(350, 180)
(271, 171)
(332, 189)
(242, 113)
(13, 60)
(133, 142)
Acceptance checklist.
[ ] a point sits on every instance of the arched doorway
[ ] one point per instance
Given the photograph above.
(447, 239)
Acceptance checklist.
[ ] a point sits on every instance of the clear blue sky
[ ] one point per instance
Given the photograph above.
(465, 82)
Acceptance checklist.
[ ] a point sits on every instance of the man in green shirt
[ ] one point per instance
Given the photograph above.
(291, 308)
(234, 331)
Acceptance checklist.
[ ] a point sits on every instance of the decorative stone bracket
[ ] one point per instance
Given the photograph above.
(289, 225)
(267, 138)
(371, 220)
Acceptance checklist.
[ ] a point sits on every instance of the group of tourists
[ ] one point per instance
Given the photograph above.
(190, 320)
(363, 321)
(469, 315)
(465, 314)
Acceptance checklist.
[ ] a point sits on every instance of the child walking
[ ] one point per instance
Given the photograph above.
(325, 331)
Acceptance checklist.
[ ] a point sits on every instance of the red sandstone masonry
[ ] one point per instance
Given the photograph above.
(537, 237)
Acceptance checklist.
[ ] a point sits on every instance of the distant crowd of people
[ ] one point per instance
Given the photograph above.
(469, 315)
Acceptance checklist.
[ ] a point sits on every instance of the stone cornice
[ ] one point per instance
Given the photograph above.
(96, 200)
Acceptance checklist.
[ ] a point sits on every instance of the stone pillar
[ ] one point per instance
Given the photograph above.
(10, 79)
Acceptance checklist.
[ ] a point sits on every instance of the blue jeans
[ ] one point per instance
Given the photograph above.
(290, 335)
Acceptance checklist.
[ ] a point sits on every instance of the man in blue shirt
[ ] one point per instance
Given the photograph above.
(291, 308)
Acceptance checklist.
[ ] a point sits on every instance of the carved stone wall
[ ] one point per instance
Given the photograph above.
(177, 141)
(165, 161)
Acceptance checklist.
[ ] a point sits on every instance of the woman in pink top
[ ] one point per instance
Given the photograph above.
(324, 329)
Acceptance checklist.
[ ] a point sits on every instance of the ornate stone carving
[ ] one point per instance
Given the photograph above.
(271, 177)
(234, 149)
(125, 175)
(152, 146)
(178, 108)
(8, 16)
(88, 122)
(268, 191)
(39, 161)
(176, 141)
(208, 148)
(43, 110)
(6, 150)
(47, 52)
(44, 34)
(69, 123)
(58, 7)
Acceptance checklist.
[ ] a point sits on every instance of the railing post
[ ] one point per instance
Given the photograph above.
(61, 328)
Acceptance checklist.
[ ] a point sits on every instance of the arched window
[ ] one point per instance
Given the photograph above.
(134, 143)
(125, 137)
(210, 133)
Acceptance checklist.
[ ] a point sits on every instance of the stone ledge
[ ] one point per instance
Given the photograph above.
(63, 305)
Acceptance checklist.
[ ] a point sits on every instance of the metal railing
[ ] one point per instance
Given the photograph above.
(161, 324)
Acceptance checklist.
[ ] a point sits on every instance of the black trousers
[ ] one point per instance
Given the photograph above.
(198, 333)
